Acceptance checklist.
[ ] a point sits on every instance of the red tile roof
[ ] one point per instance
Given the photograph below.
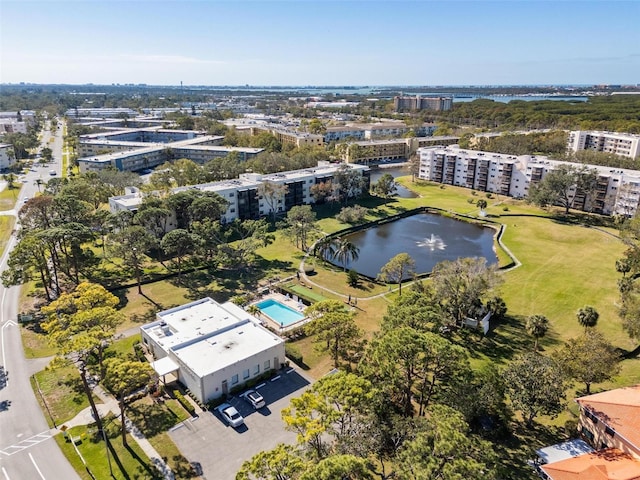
(619, 409)
(608, 464)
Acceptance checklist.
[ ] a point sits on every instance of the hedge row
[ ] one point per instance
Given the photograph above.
(184, 402)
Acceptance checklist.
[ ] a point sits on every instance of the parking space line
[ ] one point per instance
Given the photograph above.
(260, 386)
(289, 371)
(277, 377)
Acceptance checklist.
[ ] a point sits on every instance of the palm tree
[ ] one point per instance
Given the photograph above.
(482, 204)
(325, 248)
(345, 252)
(537, 326)
(254, 310)
(587, 317)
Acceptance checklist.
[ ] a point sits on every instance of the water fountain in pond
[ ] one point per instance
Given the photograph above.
(432, 243)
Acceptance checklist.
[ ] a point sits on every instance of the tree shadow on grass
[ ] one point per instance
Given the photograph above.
(152, 419)
(521, 445)
(505, 339)
(144, 469)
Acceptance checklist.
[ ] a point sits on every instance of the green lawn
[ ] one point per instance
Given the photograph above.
(6, 227)
(8, 197)
(154, 419)
(126, 462)
(62, 389)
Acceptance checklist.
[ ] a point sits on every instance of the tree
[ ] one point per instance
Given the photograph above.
(536, 386)
(47, 154)
(460, 285)
(562, 186)
(385, 186)
(348, 183)
(444, 449)
(131, 244)
(352, 278)
(273, 194)
(397, 269)
(589, 359)
(416, 309)
(80, 324)
(325, 248)
(587, 317)
(630, 312)
(412, 366)
(301, 221)
(282, 463)
(335, 329)
(345, 252)
(178, 244)
(343, 467)
(537, 326)
(481, 204)
(124, 377)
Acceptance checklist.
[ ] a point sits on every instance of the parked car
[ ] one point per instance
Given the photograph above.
(254, 398)
(52, 173)
(230, 415)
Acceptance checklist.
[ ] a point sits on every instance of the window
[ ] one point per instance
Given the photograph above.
(590, 416)
(256, 369)
(234, 379)
(587, 433)
(267, 365)
(232, 194)
(245, 374)
(609, 431)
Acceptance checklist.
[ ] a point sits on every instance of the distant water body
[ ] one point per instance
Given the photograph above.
(457, 97)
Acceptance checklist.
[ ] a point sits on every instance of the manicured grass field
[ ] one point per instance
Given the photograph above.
(8, 197)
(126, 462)
(62, 389)
(6, 226)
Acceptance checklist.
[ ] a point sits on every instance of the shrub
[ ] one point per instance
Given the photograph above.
(352, 278)
(505, 209)
(184, 402)
(308, 269)
(352, 215)
(489, 195)
(470, 200)
(292, 352)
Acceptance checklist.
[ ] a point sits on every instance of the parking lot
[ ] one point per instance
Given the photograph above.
(220, 449)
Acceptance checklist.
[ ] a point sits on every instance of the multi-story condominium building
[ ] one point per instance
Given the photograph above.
(291, 137)
(100, 112)
(617, 190)
(623, 144)
(243, 194)
(9, 125)
(210, 347)
(412, 103)
(400, 149)
(7, 157)
(610, 422)
(139, 149)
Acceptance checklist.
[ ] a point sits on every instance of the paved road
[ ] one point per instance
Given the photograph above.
(27, 450)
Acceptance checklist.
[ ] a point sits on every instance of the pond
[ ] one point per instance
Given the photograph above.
(428, 238)
(401, 191)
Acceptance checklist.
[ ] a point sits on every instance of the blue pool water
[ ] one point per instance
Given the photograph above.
(279, 313)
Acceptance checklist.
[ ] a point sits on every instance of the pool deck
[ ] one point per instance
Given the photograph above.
(290, 302)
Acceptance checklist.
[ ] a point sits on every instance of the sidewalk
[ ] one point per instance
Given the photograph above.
(110, 405)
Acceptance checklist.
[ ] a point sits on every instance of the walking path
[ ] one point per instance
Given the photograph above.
(110, 405)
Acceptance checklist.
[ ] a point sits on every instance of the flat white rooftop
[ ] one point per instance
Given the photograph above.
(208, 336)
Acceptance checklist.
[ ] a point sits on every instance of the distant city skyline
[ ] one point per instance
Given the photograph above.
(268, 43)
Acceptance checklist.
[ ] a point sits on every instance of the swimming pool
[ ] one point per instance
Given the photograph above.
(279, 313)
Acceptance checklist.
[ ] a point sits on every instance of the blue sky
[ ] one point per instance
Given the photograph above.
(320, 42)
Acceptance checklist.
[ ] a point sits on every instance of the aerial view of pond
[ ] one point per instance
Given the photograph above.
(427, 238)
(394, 172)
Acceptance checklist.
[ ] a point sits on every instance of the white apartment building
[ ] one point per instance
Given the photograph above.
(623, 144)
(211, 348)
(7, 157)
(617, 190)
(243, 195)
